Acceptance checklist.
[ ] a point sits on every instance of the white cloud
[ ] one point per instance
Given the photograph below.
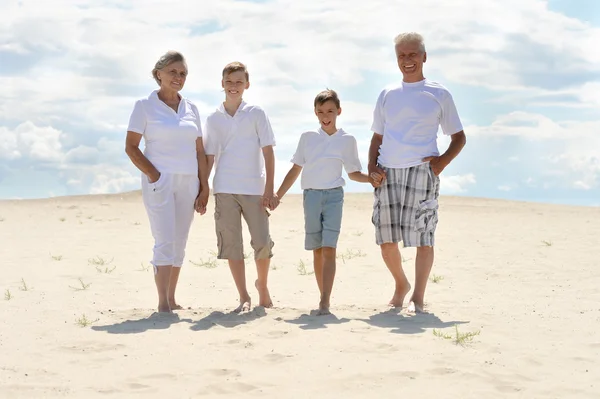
(456, 184)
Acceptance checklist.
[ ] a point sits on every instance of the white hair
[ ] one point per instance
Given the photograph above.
(166, 59)
(410, 37)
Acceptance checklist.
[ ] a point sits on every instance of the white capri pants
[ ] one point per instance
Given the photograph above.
(169, 204)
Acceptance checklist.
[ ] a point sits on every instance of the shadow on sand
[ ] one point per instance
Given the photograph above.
(312, 321)
(156, 321)
(227, 320)
(408, 324)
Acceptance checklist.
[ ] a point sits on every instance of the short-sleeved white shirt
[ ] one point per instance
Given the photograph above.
(322, 156)
(408, 116)
(237, 142)
(169, 136)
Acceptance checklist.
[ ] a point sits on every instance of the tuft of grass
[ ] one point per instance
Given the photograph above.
(7, 295)
(83, 286)
(91, 216)
(350, 253)
(248, 255)
(83, 321)
(144, 268)
(547, 243)
(436, 278)
(2, 219)
(24, 286)
(274, 267)
(102, 265)
(209, 264)
(56, 257)
(357, 233)
(301, 268)
(62, 219)
(136, 223)
(459, 338)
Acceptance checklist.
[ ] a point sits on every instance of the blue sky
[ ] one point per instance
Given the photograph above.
(525, 76)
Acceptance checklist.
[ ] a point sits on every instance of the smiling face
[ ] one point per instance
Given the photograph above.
(411, 57)
(327, 114)
(172, 77)
(234, 84)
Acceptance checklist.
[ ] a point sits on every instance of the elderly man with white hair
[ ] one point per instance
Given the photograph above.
(405, 160)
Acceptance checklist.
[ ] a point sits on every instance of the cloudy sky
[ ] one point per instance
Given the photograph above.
(525, 76)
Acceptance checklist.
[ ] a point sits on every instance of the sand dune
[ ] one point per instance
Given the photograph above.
(522, 276)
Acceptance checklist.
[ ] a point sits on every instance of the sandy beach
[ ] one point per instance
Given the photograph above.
(513, 302)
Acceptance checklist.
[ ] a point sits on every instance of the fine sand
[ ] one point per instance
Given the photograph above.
(524, 277)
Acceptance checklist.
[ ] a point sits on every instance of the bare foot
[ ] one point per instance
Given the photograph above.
(245, 305)
(264, 298)
(164, 308)
(176, 307)
(415, 307)
(323, 309)
(398, 299)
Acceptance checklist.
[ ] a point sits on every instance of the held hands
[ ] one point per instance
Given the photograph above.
(270, 200)
(376, 175)
(438, 164)
(201, 201)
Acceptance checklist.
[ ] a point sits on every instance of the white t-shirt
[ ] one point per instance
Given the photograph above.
(322, 157)
(408, 116)
(169, 136)
(237, 142)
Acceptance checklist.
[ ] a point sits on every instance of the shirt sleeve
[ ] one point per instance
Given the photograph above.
(378, 125)
(137, 119)
(210, 147)
(298, 157)
(449, 120)
(263, 129)
(198, 120)
(350, 156)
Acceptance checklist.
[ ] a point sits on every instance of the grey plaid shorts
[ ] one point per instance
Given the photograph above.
(406, 206)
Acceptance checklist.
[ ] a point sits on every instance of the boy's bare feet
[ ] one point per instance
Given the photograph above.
(264, 298)
(398, 299)
(245, 305)
(173, 304)
(414, 307)
(323, 309)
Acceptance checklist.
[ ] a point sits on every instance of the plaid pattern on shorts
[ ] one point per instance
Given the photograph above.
(406, 206)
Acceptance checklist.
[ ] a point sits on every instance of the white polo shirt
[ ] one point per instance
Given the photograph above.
(322, 157)
(169, 136)
(408, 116)
(237, 142)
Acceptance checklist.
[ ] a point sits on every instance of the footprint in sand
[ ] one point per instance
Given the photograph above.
(224, 372)
(229, 388)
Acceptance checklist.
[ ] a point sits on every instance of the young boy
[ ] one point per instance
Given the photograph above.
(239, 142)
(320, 156)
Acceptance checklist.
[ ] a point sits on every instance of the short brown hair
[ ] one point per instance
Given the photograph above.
(327, 95)
(235, 67)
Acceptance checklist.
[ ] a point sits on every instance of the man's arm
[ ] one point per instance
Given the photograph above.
(375, 172)
(457, 141)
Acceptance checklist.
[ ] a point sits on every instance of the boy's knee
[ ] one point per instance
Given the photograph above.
(263, 248)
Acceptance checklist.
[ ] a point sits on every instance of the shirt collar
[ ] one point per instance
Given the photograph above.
(338, 132)
(242, 108)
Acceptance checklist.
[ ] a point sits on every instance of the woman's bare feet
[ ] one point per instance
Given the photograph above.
(398, 299)
(164, 308)
(245, 305)
(414, 307)
(264, 297)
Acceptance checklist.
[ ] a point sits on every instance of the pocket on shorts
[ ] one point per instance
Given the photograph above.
(376, 207)
(158, 192)
(426, 216)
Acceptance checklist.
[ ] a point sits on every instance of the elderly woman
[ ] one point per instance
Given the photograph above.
(173, 166)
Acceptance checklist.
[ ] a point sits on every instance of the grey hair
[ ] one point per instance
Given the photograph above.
(410, 37)
(166, 59)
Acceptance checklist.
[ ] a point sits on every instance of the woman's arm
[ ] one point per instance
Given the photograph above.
(132, 149)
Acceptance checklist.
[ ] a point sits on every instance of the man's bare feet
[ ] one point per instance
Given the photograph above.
(414, 307)
(245, 305)
(398, 299)
(264, 298)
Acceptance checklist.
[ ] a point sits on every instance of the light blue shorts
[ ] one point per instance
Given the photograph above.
(322, 217)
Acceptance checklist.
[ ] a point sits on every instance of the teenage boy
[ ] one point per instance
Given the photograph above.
(320, 156)
(239, 142)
